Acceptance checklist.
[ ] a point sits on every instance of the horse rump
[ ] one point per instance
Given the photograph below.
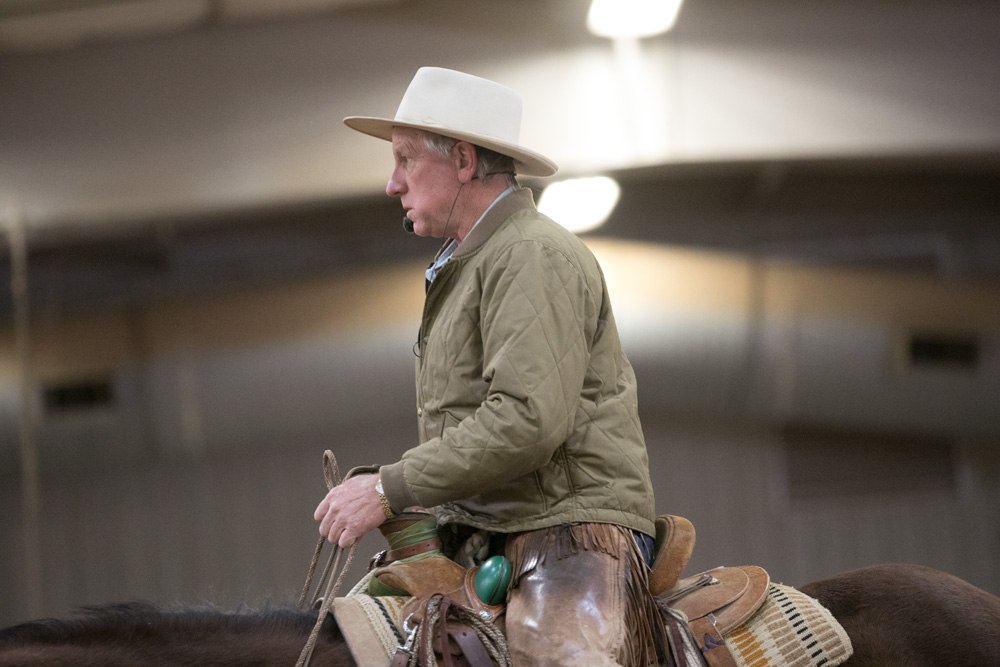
(913, 616)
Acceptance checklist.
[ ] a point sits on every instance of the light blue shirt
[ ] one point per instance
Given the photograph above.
(449, 249)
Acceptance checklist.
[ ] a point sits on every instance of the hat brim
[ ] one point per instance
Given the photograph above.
(526, 161)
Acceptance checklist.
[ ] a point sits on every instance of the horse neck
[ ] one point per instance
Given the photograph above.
(128, 635)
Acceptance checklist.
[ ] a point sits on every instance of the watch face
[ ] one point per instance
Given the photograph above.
(378, 487)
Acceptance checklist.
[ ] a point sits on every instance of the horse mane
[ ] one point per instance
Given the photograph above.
(140, 633)
(138, 620)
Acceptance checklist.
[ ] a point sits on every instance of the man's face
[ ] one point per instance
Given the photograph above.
(425, 183)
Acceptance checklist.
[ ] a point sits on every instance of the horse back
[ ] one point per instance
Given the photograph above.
(912, 615)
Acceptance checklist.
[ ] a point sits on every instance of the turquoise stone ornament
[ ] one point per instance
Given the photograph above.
(492, 579)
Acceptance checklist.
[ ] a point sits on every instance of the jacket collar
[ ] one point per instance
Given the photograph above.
(494, 218)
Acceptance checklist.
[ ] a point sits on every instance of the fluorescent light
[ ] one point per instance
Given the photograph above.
(632, 18)
(580, 204)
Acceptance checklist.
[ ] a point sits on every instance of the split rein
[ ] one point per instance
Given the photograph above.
(327, 586)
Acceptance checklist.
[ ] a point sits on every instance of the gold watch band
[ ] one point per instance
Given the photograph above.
(386, 507)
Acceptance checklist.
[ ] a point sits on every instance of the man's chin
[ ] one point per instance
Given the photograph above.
(424, 229)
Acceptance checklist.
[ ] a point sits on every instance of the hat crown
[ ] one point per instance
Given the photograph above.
(459, 102)
(464, 107)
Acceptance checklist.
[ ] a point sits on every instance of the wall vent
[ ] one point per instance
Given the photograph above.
(942, 350)
(78, 395)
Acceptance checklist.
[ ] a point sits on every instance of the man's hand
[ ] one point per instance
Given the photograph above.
(350, 510)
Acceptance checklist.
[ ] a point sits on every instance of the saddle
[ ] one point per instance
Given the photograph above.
(443, 594)
(713, 603)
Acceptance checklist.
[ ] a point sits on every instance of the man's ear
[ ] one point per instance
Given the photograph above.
(465, 158)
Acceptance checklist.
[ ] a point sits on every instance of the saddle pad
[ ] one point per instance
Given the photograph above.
(372, 626)
(790, 629)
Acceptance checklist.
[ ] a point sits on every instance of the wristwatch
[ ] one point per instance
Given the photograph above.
(385, 501)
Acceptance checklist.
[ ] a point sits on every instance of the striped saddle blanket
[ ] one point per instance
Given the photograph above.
(790, 629)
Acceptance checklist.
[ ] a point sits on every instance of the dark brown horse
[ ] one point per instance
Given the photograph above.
(895, 615)
(913, 616)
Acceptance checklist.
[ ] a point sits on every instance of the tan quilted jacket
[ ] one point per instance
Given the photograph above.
(526, 402)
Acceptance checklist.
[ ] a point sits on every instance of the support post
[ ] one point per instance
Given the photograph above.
(30, 477)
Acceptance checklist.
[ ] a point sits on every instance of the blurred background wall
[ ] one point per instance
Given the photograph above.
(804, 264)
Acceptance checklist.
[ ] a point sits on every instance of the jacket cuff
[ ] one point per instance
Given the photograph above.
(397, 491)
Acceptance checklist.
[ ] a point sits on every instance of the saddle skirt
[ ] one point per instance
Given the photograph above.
(719, 600)
(714, 603)
(739, 618)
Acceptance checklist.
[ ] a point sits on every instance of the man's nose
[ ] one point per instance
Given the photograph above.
(394, 188)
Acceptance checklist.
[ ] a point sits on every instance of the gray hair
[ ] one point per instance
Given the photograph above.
(488, 163)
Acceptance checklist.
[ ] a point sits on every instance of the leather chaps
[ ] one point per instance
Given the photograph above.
(580, 597)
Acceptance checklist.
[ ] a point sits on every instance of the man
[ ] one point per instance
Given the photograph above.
(528, 427)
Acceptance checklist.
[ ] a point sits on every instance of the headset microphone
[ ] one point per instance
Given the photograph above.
(408, 224)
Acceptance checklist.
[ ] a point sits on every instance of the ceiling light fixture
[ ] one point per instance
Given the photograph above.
(580, 204)
(618, 19)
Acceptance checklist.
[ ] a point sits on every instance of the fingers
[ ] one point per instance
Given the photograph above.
(347, 540)
(331, 530)
(339, 533)
(349, 511)
(326, 528)
(322, 508)
(326, 514)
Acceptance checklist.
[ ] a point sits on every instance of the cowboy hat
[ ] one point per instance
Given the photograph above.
(464, 107)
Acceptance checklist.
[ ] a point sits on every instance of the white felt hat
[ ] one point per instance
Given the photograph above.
(465, 107)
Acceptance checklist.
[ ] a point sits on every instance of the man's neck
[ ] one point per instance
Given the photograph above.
(480, 197)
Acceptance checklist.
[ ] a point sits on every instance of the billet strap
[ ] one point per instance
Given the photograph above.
(682, 649)
(390, 556)
(402, 656)
(393, 555)
(712, 643)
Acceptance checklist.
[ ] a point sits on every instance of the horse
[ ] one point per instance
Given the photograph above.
(912, 615)
(895, 615)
